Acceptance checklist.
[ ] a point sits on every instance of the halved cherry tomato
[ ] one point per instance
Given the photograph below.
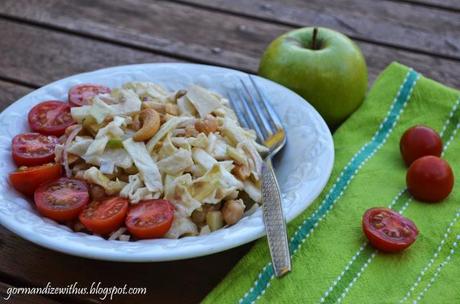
(50, 117)
(81, 94)
(430, 179)
(26, 180)
(387, 230)
(104, 216)
(419, 141)
(150, 218)
(33, 149)
(62, 199)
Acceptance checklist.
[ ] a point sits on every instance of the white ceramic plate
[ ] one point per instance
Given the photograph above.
(303, 166)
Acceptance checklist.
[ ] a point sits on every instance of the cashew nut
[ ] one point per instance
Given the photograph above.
(150, 125)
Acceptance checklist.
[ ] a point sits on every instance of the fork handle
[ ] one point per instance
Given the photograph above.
(275, 224)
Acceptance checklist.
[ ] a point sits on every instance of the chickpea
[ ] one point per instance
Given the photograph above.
(198, 216)
(207, 125)
(241, 172)
(97, 192)
(233, 211)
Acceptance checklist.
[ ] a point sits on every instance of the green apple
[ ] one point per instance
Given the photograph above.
(323, 66)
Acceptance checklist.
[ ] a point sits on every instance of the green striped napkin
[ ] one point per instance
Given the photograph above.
(332, 261)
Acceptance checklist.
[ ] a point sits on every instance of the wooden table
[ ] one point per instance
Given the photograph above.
(45, 40)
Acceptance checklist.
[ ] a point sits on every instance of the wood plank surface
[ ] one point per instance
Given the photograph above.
(452, 5)
(38, 56)
(403, 25)
(185, 281)
(165, 28)
(10, 92)
(22, 298)
(45, 40)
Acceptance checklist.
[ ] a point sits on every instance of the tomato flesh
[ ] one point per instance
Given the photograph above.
(419, 141)
(82, 94)
(28, 179)
(62, 199)
(430, 179)
(388, 230)
(50, 117)
(103, 217)
(150, 218)
(33, 149)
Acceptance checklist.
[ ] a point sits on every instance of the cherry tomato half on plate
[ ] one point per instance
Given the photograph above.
(150, 218)
(388, 230)
(419, 141)
(27, 179)
(103, 217)
(81, 94)
(33, 149)
(430, 179)
(62, 199)
(50, 117)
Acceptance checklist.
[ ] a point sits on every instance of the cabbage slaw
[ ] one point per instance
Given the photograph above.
(200, 158)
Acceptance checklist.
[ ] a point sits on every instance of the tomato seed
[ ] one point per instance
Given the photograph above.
(378, 225)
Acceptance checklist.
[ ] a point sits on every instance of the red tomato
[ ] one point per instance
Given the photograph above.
(26, 180)
(105, 216)
(50, 117)
(419, 141)
(150, 218)
(62, 199)
(33, 149)
(387, 230)
(430, 179)
(81, 94)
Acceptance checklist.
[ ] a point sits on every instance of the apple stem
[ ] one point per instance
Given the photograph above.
(313, 42)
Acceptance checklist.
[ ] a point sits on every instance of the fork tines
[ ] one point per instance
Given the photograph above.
(254, 111)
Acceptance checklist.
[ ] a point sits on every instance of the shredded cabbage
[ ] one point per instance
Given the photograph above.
(95, 176)
(145, 164)
(176, 163)
(136, 191)
(164, 129)
(190, 160)
(202, 100)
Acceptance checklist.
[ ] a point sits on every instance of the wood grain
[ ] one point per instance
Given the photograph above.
(401, 25)
(21, 298)
(445, 4)
(166, 28)
(39, 56)
(45, 40)
(186, 281)
(10, 92)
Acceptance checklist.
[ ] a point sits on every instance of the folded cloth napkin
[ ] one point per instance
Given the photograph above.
(331, 259)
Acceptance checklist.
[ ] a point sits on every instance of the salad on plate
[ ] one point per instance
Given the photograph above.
(139, 161)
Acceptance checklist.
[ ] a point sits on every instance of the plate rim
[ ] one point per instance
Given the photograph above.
(121, 256)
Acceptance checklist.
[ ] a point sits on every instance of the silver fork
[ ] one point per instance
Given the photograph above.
(255, 112)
